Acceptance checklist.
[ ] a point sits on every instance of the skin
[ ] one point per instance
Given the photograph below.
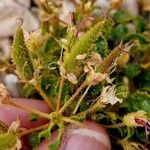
(92, 136)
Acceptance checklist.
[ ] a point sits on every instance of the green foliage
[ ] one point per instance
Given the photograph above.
(46, 133)
(142, 80)
(61, 32)
(52, 54)
(49, 84)
(138, 37)
(132, 70)
(33, 117)
(122, 91)
(121, 17)
(7, 141)
(50, 46)
(102, 46)
(119, 33)
(54, 145)
(20, 56)
(140, 24)
(140, 135)
(28, 90)
(85, 105)
(95, 90)
(66, 90)
(137, 101)
(34, 139)
(107, 28)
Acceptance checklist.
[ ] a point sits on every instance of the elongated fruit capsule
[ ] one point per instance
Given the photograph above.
(20, 56)
(85, 44)
(110, 59)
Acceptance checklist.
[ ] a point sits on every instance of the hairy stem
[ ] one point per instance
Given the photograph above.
(45, 97)
(119, 125)
(72, 98)
(92, 109)
(33, 130)
(68, 120)
(60, 92)
(29, 110)
(80, 100)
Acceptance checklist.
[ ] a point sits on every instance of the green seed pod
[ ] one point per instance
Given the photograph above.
(85, 44)
(20, 56)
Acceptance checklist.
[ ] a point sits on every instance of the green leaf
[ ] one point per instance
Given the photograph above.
(7, 141)
(85, 105)
(138, 37)
(34, 139)
(137, 101)
(121, 16)
(122, 91)
(132, 70)
(107, 28)
(54, 145)
(140, 135)
(28, 90)
(51, 45)
(61, 32)
(50, 85)
(46, 133)
(94, 90)
(143, 79)
(102, 46)
(66, 90)
(119, 33)
(140, 24)
(33, 117)
(98, 117)
(80, 118)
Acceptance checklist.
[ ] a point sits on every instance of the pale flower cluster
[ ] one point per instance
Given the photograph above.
(108, 95)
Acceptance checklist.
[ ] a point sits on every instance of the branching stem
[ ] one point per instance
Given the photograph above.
(72, 98)
(60, 92)
(119, 125)
(92, 109)
(45, 97)
(29, 110)
(81, 99)
(68, 120)
(33, 130)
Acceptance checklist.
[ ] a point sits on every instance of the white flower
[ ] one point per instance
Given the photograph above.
(108, 95)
